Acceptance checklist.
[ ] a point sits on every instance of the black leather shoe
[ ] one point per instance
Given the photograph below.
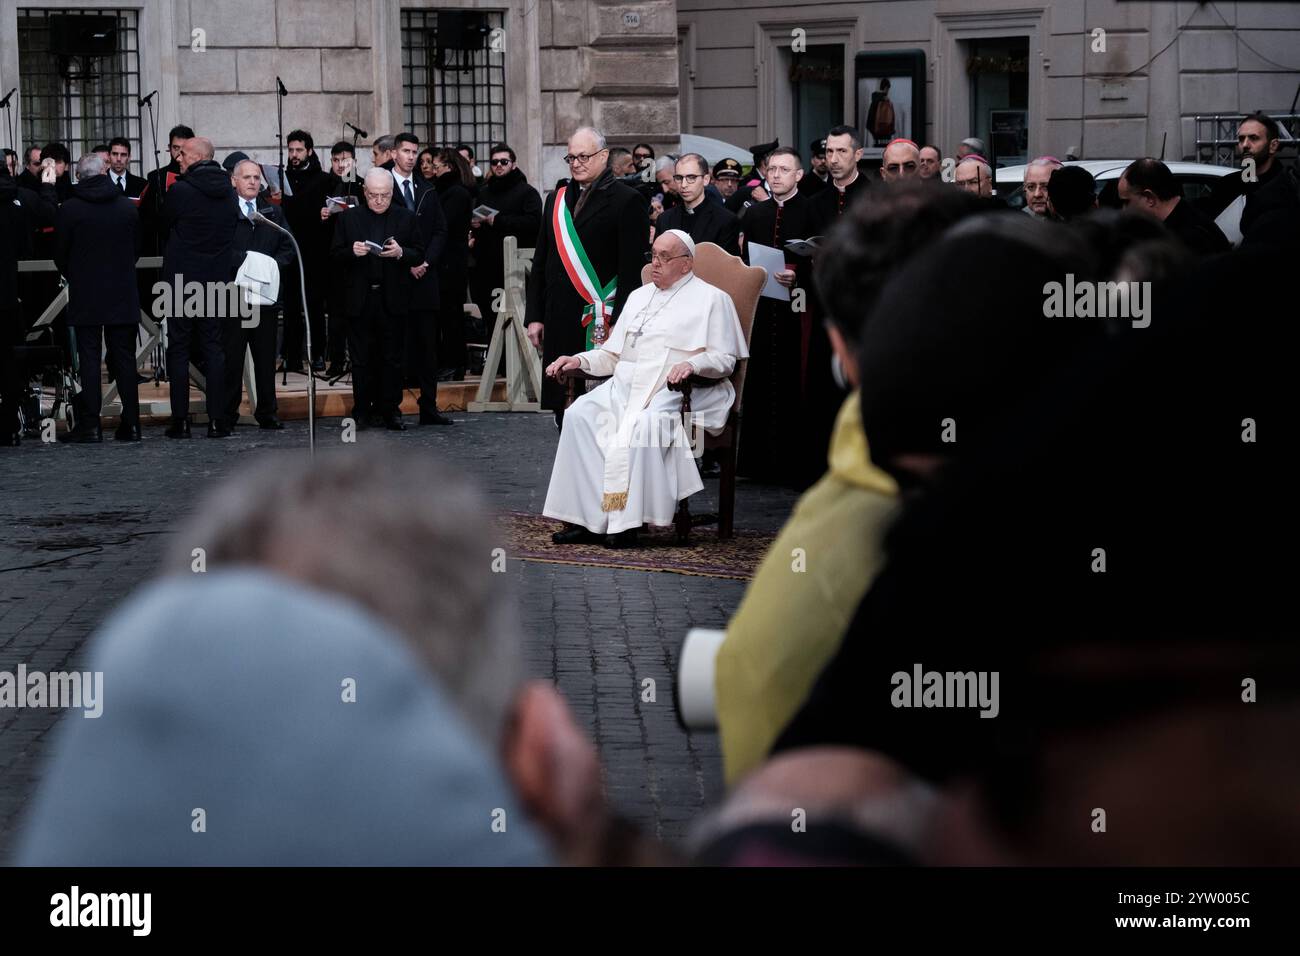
(270, 423)
(127, 432)
(178, 429)
(435, 418)
(85, 435)
(624, 539)
(219, 430)
(575, 534)
(395, 424)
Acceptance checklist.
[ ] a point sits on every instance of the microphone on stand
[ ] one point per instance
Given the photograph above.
(4, 103)
(360, 132)
(306, 321)
(145, 99)
(280, 84)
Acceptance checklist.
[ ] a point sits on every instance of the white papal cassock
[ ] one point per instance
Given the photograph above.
(624, 459)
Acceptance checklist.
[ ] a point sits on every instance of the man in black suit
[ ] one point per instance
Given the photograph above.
(378, 295)
(308, 183)
(238, 334)
(22, 213)
(702, 220)
(119, 169)
(341, 183)
(420, 334)
(97, 242)
(613, 227)
(518, 213)
(1148, 186)
(155, 192)
(200, 243)
(29, 177)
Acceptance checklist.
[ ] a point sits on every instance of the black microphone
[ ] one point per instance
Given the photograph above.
(4, 103)
(280, 83)
(360, 132)
(145, 99)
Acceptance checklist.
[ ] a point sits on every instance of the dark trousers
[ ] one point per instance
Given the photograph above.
(208, 332)
(261, 341)
(422, 355)
(375, 342)
(118, 342)
(337, 343)
(293, 346)
(451, 317)
(12, 382)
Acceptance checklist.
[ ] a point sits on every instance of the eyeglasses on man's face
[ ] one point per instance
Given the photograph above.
(662, 260)
(689, 179)
(582, 158)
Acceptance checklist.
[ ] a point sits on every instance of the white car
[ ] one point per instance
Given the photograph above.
(1197, 179)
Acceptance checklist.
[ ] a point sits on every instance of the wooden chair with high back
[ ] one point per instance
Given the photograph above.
(743, 283)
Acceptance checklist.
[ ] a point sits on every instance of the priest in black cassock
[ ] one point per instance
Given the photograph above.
(752, 189)
(847, 182)
(696, 215)
(587, 261)
(776, 379)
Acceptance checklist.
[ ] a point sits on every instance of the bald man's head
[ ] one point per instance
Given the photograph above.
(902, 160)
(196, 149)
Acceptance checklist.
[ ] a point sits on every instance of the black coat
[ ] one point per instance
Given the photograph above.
(1197, 231)
(22, 212)
(97, 240)
(310, 185)
(615, 231)
(432, 224)
(401, 224)
(826, 202)
(457, 207)
(151, 202)
(708, 222)
(519, 214)
(259, 237)
(201, 230)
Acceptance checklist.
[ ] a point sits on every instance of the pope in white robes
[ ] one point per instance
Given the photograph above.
(625, 458)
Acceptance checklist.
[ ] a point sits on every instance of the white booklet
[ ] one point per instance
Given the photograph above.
(482, 212)
(271, 174)
(773, 260)
(1229, 221)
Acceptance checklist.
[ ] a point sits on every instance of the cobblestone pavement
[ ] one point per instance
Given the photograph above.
(92, 514)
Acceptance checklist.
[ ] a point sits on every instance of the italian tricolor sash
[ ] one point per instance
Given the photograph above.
(578, 266)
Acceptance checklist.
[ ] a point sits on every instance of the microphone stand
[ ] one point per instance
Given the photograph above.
(10, 134)
(302, 288)
(160, 364)
(281, 93)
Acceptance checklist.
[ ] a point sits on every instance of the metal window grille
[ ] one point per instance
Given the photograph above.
(453, 96)
(79, 101)
(1216, 136)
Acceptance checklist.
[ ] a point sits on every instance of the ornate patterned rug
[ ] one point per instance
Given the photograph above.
(528, 537)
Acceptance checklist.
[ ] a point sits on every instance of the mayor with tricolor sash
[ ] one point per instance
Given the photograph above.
(592, 245)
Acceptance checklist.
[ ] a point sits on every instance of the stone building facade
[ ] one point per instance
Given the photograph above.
(653, 69)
